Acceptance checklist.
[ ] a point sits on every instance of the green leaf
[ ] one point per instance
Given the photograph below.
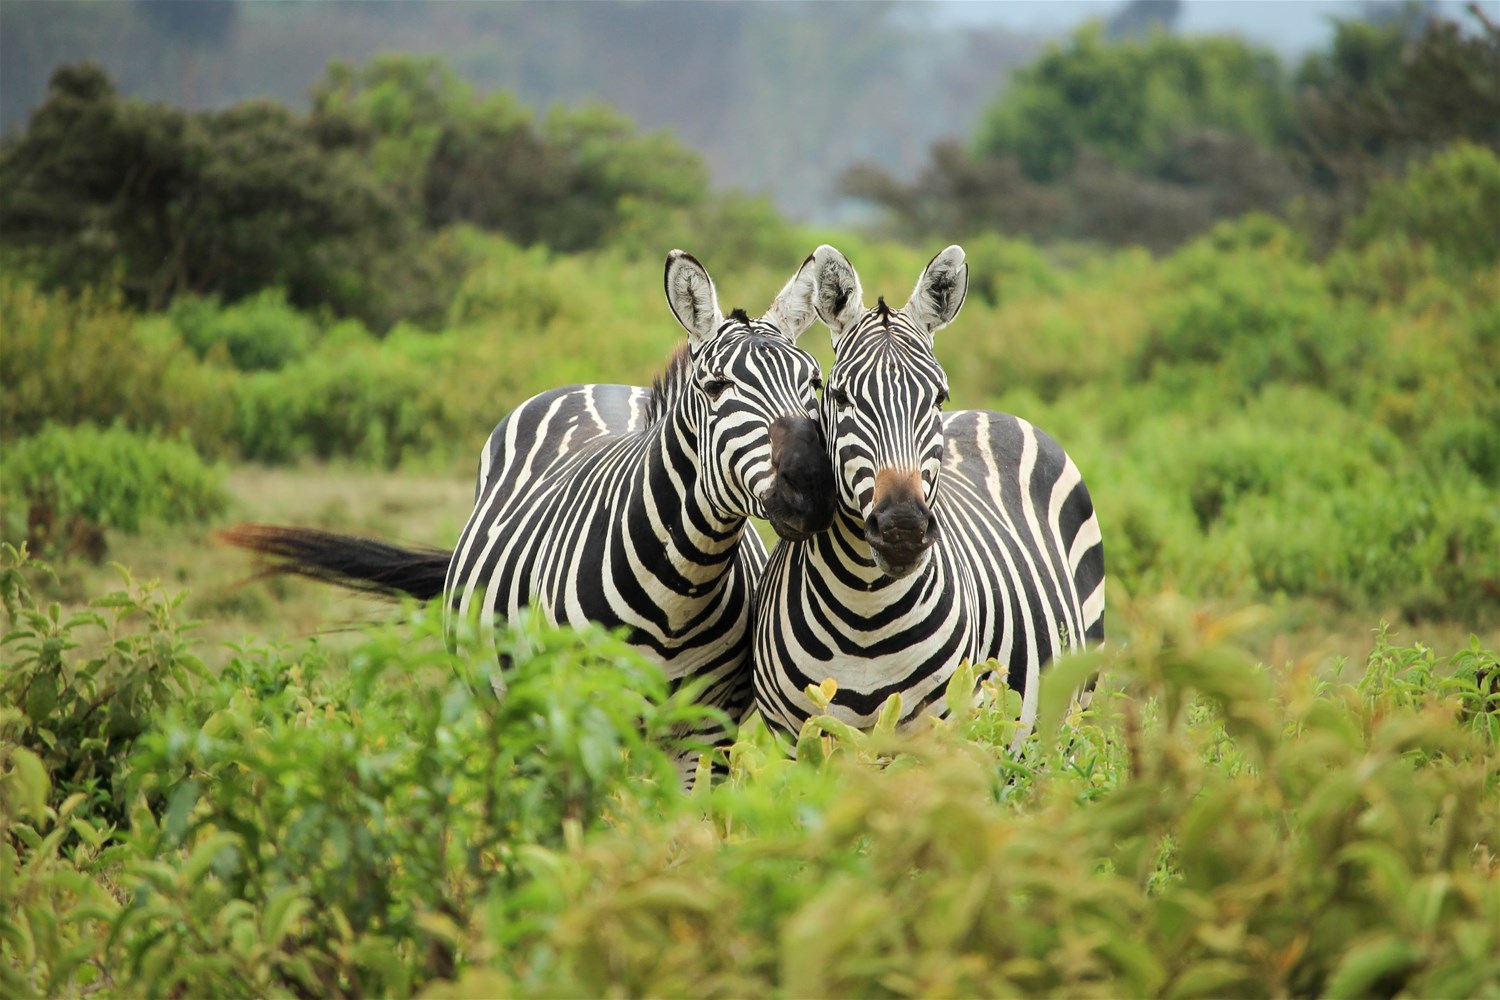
(283, 910)
(204, 855)
(87, 832)
(1214, 977)
(890, 714)
(179, 807)
(30, 785)
(1386, 957)
(1059, 683)
(1390, 869)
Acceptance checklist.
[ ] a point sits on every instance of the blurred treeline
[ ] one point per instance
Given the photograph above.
(1303, 406)
(1131, 142)
(346, 207)
(1149, 141)
(766, 92)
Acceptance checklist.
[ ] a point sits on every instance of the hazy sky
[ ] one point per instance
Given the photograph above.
(1289, 26)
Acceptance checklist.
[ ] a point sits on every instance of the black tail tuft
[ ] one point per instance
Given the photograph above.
(345, 560)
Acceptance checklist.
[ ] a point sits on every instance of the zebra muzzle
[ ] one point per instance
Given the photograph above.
(800, 501)
(900, 532)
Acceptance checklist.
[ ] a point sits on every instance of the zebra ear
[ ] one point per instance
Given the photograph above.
(690, 293)
(793, 311)
(838, 298)
(940, 291)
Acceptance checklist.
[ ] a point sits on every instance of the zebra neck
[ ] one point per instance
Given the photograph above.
(695, 541)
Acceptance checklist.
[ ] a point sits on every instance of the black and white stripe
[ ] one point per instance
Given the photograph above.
(965, 536)
(627, 507)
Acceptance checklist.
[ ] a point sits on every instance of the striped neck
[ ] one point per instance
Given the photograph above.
(843, 549)
(666, 499)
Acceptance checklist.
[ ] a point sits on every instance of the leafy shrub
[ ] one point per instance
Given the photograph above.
(514, 285)
(353, 820)
(1208, 830)
(58, 902)
(66, 476)
(1262, 312)
(724, 227)
(1436, 219)
(378, 403)
(257, 333)
(83, 359)
(79, 713)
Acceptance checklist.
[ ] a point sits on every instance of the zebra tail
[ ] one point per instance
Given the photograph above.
(348, 561)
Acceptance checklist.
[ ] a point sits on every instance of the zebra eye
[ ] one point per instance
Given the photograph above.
(839, 396)
(715, 387)
(942, 398)
(817, 384)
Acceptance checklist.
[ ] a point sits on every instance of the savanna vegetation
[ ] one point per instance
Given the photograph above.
(1285, 785)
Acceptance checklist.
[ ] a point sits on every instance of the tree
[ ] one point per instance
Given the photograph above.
(102, 189)
(1390, 92)
(566, 182)
(1128, 101)
(1142, 142)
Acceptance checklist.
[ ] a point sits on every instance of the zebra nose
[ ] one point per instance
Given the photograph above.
(901, 529)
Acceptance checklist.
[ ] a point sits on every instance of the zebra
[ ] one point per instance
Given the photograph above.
(626, 506)
(964, 536)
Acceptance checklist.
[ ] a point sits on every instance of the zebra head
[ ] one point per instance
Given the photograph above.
(882, 409)
(752, 395)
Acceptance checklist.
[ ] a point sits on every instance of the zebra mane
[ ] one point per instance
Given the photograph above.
(668, 384)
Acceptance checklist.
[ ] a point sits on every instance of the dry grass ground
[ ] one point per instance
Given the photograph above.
(222, 592)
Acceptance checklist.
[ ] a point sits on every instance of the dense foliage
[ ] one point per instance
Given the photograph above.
(758, 88)
(1253, 421)
(163, 201)
(1149, 141)
(344, 207)
(390, 827)
(1275, 414)
(67, 484)
(1131, 102)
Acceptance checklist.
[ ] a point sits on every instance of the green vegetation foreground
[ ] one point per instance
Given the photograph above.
(385, 826)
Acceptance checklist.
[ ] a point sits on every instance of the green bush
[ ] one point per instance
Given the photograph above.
(1129, 99)
(1211, 831)
(256, 333)
(79, 688)
(1438, 218)
(354, 819)
(104, 479)
(377, 403)
(1262, 312)
(84, 359)
(385, 825)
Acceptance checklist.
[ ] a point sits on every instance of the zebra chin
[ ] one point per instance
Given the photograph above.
(901, 563)
(796, 518)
